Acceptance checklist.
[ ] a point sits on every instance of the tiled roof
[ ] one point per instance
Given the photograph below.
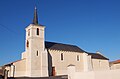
(9, 64)
(63, 47)
(115, 62)
(97, 56)
(73, 48)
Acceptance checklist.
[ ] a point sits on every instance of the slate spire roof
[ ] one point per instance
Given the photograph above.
(35, 19)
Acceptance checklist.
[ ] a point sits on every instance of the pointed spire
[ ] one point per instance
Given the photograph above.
(35, 19)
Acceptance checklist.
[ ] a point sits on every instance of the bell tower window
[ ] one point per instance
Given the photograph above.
(28, 32)
(37, 31)
(27, 43)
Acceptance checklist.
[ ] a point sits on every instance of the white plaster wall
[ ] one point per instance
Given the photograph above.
(115, 66)
(104, 74)
(20, 68)
(90, 67)
(99, 64)
(36, 56)
(23, 55)
(107, 74)
(45, 63)
(85, 62)
(68, 58)
(84, 75)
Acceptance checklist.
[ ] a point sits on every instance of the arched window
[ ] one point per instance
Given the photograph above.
(28, 32)
(37, 31)
(61, 56)
(78, 58)
(37, 53)
(27, 43)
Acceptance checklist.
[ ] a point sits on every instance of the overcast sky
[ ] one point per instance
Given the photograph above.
(93, 25)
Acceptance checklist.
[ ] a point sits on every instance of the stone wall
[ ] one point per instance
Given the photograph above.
(99, 64)
(103, 74)
(68, 59)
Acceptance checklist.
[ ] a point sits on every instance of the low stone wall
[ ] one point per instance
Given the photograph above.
(103, 74)
(108, 74)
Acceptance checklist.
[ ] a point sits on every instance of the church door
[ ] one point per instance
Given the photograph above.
(53, 71)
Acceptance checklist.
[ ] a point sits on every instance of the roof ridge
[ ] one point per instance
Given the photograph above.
(62, 43)
(102, 55)
(14, 61)
(94, 55)
(61, 46)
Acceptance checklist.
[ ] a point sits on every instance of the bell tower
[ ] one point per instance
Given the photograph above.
(36, 54)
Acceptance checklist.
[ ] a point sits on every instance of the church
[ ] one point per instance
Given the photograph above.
(43, 58)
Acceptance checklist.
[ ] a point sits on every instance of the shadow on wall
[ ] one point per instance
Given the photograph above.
(52, 77)
(49, 64)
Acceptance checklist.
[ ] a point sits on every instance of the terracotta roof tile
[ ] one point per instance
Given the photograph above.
(14, 62)
(115, 62)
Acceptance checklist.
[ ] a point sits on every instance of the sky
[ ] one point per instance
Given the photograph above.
(93, 25)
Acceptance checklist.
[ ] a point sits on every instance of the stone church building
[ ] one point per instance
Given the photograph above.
(43, 58)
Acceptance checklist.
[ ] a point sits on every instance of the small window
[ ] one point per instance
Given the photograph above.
(78, 58)
(37, 53)
(28, 32)
(27, 43)
(37, 31)
(61, 56)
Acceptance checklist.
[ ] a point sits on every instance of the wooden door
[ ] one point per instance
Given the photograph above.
(53, 71)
